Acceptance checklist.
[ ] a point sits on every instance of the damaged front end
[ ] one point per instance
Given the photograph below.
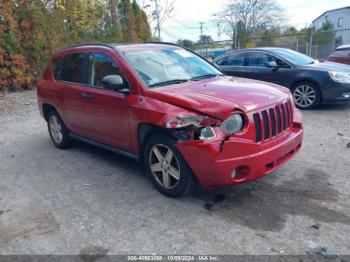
(225, 152)
(204, 128)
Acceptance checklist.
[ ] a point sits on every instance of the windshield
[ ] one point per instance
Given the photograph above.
(165, 66)
(295, 57)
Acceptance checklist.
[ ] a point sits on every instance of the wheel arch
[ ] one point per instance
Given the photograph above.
(47, 108)
(145, 131)
(308, 80)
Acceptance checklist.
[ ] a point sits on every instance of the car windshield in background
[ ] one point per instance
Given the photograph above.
(294, 57)
(166, 66)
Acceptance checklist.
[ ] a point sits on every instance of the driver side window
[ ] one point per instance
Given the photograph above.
(258, 59)
(100, 66)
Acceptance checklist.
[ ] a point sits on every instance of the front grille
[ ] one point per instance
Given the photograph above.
(273, 121)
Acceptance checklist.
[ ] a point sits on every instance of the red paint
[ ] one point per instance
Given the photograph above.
(113, 118)
(341, 56)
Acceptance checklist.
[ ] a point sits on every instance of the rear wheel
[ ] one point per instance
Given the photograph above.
(166, 167)
(306, 95)
(58, 132)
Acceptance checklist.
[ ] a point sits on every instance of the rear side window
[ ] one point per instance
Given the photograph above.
(73, 68)
(57, 68)
(232, 60)
(100, 66)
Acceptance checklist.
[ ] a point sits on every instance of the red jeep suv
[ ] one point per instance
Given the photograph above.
(171, 109)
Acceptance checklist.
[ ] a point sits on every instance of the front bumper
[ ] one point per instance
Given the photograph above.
(213, 162)
(335, 93)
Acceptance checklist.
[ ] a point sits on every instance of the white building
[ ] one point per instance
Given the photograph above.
(340, 18)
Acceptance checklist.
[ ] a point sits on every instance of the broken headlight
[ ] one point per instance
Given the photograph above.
(196, 121)
(198, 127)
(233, 124)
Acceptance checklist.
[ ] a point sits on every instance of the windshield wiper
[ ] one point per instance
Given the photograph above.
(170, 82)
(204, 77)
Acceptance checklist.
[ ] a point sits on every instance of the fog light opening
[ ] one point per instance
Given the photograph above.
(240, 173)
(346, 95)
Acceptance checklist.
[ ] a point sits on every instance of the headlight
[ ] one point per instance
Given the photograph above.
(233, 124)
(340, 77)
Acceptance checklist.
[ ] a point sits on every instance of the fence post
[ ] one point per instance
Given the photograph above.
(297, 45)
(310, 45)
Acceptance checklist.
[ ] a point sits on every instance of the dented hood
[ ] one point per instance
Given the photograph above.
(219, 96)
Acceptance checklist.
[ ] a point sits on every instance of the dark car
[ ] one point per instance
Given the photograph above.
(312, 82)
(341, 55)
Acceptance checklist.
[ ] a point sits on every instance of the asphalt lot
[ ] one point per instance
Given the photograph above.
(86, 200)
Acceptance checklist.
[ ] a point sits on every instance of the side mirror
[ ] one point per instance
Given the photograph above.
(272, 64)
(113, 82)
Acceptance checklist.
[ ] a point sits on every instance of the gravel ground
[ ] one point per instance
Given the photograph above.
(85, 200)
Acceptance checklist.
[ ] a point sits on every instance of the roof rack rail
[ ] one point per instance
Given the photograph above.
(86, 44)
(160, 42)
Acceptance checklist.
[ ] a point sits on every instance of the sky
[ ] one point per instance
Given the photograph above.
(187, 15)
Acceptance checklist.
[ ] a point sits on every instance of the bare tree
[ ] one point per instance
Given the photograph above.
(249, 15)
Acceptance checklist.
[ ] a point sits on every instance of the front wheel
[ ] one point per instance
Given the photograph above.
(166, 167)
(306, 95)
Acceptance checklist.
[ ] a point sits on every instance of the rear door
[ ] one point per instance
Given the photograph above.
(235, 64)
(70, 81)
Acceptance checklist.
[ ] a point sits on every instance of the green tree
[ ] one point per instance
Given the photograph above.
(31, 30)
(127, 20)
(205, 39)
(142, 28)
(14, 70)
(186, 43)
(32, 23)
(325, 35)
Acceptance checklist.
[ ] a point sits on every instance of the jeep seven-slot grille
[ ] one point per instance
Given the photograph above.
(273, 121)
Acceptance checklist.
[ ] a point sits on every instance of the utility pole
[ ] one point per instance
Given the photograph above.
(156, 14)
(201, 28)
(219, 32)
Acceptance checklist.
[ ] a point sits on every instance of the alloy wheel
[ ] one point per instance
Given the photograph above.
(304, 96)
(164, 166)
(55, 129)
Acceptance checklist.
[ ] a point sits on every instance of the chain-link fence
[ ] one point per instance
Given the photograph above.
(319, 44)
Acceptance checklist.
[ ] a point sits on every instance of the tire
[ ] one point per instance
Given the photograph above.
(166, 167)
(306, 95)
(58, 131)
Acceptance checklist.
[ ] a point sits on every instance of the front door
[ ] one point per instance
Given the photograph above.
(280, 75)
(106, 111)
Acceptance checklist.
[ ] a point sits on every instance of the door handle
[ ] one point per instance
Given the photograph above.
(87, 96)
